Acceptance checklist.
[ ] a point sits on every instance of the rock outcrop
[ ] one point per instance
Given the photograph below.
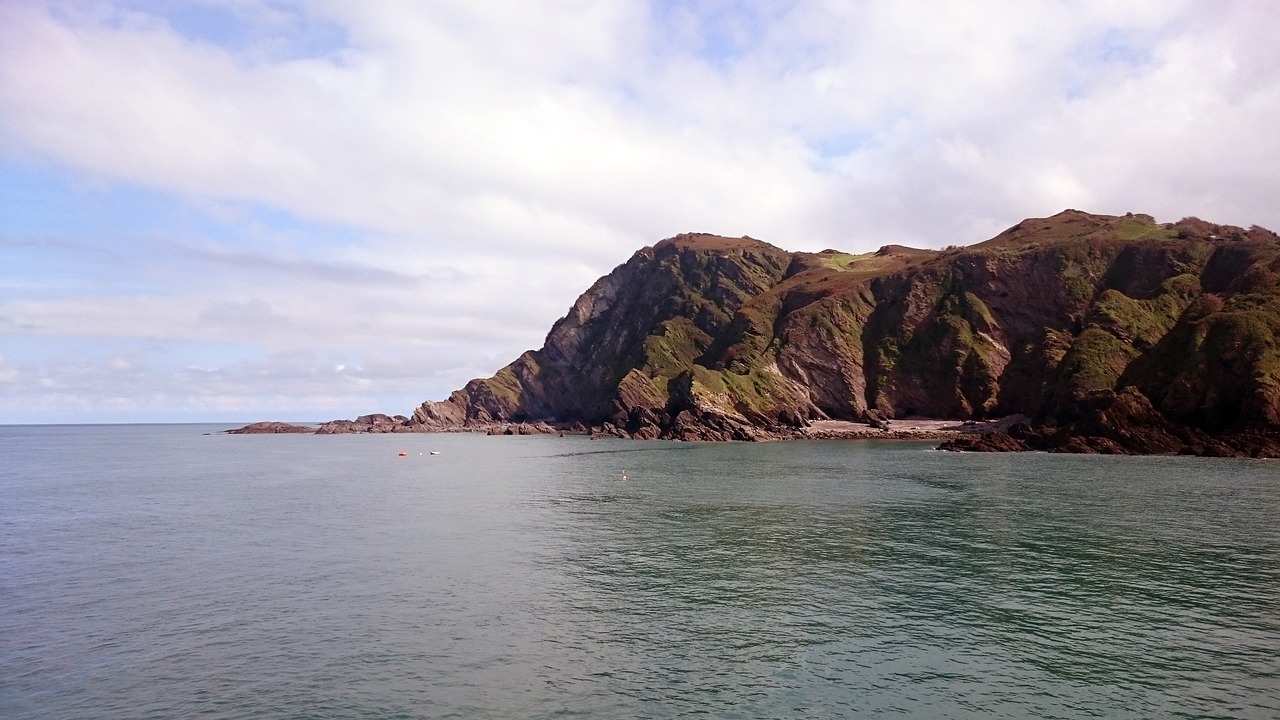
(271, 428)
(376, 423)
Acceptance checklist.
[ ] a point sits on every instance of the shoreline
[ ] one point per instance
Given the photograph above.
(1012, 433)
(908, 429)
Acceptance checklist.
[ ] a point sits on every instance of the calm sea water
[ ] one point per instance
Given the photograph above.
(157, 572)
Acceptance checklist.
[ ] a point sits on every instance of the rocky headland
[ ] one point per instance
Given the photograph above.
(1097, 333)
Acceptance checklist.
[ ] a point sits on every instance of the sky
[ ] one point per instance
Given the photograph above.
(239, 210)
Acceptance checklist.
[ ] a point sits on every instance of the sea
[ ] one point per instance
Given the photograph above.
(172, 571)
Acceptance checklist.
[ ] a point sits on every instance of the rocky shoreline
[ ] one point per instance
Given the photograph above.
(911, 429)
(1121, 424)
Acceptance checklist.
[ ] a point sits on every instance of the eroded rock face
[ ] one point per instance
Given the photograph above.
(1111, 333)
(376, 423)
(439, 415)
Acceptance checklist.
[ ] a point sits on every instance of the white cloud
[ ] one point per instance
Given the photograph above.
(485, 162)
(8, 374)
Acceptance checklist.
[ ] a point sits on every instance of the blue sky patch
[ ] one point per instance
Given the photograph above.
(279, 30)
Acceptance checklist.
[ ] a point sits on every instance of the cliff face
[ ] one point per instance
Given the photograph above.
(708, 337)
(621, 353)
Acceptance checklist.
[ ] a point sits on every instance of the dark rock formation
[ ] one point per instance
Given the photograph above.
(1105, 422)
(270, 428)
(376, 423)
(984, 442)
(540, 428)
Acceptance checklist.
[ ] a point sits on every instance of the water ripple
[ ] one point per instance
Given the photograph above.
(174, 574)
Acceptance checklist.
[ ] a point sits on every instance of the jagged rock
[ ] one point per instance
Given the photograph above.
(1110, 422)
(439, 415)
(876, 421)
(376, 423)
(608, 430)
(271, 428)
(1258, 442)
(539, 428)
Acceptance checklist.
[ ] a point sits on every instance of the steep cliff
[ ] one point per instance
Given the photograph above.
(709, 337)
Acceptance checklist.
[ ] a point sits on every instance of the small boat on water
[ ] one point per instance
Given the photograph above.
(435, 452)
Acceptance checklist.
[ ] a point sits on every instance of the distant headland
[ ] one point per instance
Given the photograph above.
(1073, 333)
